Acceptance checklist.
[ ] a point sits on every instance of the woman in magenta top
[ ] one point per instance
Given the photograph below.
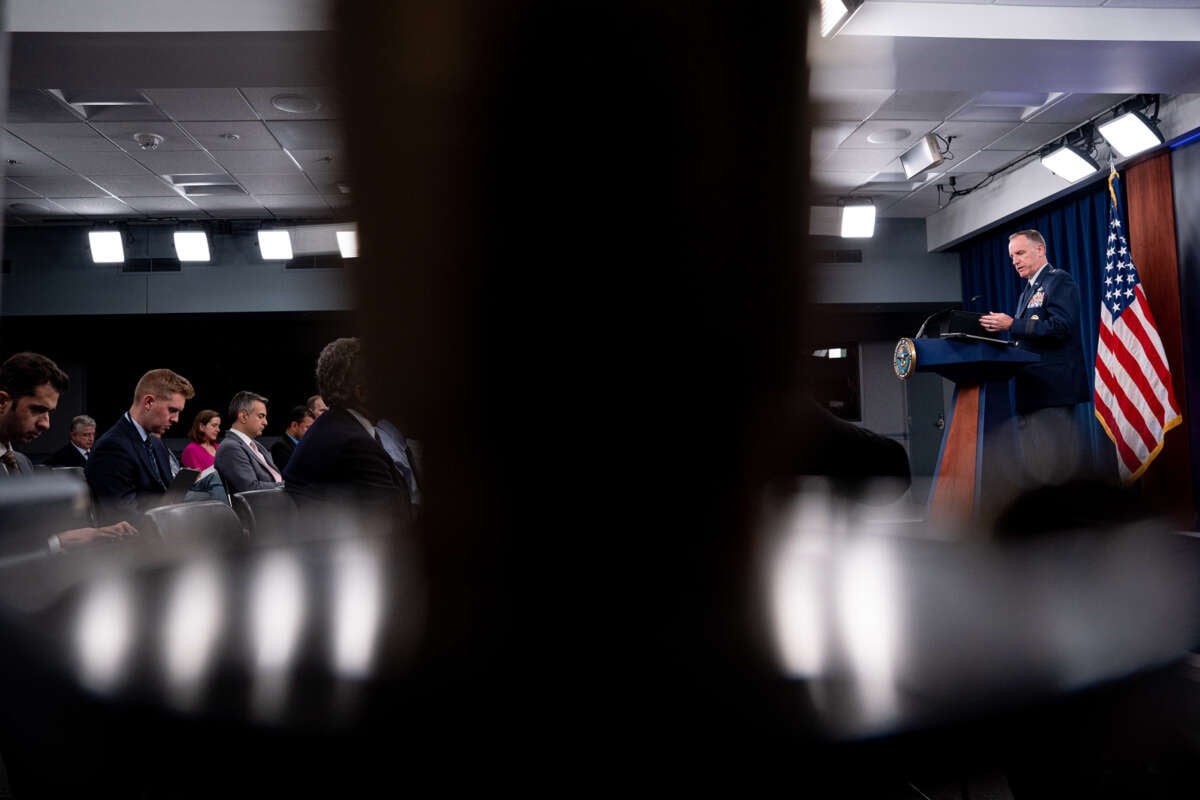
(203, 445)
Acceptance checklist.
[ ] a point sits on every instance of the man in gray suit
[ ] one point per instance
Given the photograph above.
(242, 462)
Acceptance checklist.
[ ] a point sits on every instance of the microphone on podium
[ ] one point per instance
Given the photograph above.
(940, 312)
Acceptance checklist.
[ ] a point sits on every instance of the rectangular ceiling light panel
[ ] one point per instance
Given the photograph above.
(191, 245)
(275, 245)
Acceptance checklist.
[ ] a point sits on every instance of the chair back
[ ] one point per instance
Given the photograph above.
(266, 512)
(209, 521)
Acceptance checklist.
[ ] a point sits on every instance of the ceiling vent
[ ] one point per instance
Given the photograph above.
(204, 184)
(90, 102)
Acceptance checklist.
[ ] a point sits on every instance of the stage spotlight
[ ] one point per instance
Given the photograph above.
(1070, 163)
(1131, 133)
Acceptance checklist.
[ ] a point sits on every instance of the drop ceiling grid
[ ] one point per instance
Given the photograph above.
(96, 162)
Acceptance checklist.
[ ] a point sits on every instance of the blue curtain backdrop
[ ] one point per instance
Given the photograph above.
(1076, 231)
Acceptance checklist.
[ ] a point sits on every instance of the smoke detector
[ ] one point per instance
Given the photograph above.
(148, 141)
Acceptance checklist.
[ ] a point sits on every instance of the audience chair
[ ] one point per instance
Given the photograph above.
(208, 521)
(266, 512)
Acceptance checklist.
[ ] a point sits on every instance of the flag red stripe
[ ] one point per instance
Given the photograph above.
(1151, 344)
(1103, 377)
(1132, 365)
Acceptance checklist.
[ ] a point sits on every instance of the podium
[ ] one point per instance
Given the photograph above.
(980, 369)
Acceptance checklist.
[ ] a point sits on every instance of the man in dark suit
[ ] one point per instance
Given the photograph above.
(298, 422)
(1046, 322)
(129, 469)
(340, 458)
(30, 385)
(241, 461)
(75, 452)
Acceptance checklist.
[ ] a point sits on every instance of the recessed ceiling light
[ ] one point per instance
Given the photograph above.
(295, 103)
(889, 136)
(107, 247)
(858, 222)
(191, 246)
(275, 245)
(348, 243)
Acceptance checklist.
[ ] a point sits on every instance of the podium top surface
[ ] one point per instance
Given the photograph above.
(971, 360)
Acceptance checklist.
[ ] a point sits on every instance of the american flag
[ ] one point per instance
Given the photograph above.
(1133, 396)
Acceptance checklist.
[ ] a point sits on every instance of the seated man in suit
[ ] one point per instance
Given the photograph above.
(30, 385)
(298, 422)
(340, 458)
(75, 452)
(129, 469)
(243, 463)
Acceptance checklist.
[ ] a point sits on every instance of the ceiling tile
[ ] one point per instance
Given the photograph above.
(294, 184)
(984, 161)
(34, 105)
(850, 105)
(826, 138)
(261, 99)
(332, 187)
(228, 203)
(62, 186)
(972, 136)
(918, 204)
(916, 105)
(1078, 108)
(324, 163)
(96, 205)
(34, 163)
(164, 205)
(214, 136)
(1029, 136)
(95, 164)
(53, 137)
(200, 104)
(845, 160)
(840, 181)
(137, 186)
(14, 190)
(122, 133)
(888, 135)
(42, 208)
(315, 134)
(1153, 3)
(293, 204)
(256, 162)
(171, 162)
(12, 147)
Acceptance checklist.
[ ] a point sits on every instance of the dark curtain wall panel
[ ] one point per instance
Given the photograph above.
(1076, 230)
(1185, 175)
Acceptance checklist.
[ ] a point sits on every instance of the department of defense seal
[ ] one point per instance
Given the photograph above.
(904, 360)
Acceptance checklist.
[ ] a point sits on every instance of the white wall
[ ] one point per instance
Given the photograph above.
(896, 268)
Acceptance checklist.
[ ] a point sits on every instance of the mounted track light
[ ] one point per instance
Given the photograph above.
(1070, 163)
(1131, 133)
(921, 156)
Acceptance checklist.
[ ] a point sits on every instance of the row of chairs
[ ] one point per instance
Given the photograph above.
(254, 514)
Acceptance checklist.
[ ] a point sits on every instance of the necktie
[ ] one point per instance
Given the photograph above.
(10, 463)
(257, 448)
(154, 460)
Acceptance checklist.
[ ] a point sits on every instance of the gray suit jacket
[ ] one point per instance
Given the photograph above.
(23, 462)
(240, 469)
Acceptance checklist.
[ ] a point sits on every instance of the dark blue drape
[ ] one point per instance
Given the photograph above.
(1076, 231)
